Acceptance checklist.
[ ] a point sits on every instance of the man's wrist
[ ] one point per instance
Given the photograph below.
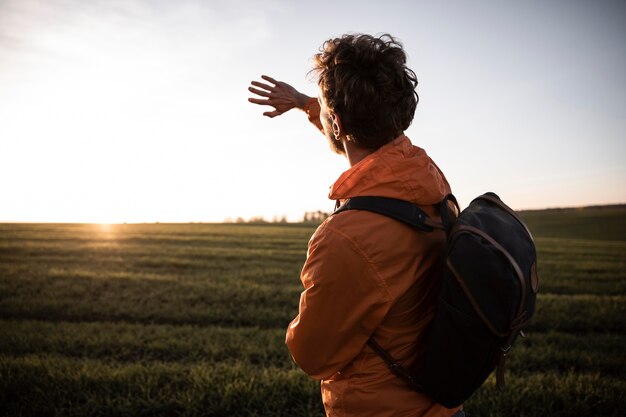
(302, 100)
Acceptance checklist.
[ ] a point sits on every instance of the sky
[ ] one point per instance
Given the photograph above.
(136, 110)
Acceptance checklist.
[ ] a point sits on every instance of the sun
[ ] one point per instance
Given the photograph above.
(105, 227)
(106, 230)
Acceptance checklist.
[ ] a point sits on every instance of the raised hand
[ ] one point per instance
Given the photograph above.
(281, 96)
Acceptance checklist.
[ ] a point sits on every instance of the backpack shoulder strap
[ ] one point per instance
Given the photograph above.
(400, 210)
(394, 366)
(449, 213)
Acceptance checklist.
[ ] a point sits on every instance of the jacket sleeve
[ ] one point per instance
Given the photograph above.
(312, 110)
(343, 302)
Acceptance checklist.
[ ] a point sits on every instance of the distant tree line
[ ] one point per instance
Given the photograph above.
(315, 216)
(257, 220)
(310, 217)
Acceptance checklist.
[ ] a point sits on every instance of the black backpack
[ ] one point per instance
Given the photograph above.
(487, 294)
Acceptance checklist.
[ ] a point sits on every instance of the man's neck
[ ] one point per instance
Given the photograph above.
(354, 153)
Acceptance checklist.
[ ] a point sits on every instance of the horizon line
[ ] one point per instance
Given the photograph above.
(263, 220)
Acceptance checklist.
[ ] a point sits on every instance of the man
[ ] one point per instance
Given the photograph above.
(366, 275)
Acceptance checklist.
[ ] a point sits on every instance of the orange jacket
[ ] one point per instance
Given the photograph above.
(365, 276)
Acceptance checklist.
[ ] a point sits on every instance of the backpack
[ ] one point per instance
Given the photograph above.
(487, 293)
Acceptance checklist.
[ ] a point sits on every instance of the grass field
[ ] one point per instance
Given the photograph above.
(189, 320)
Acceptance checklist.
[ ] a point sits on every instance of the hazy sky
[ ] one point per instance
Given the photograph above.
(135, 110)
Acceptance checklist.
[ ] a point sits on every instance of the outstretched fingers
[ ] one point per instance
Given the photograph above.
(261, 93)
(263, 86)
(271, 114)
(270, 79)
(262, 101)
(277, 94)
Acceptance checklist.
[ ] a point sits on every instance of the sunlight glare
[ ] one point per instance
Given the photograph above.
(105, 227)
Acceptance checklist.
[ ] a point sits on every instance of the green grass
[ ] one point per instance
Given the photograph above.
(133, 342)
(595, 223)
(235, 275)
(57, 385)
(189, 320)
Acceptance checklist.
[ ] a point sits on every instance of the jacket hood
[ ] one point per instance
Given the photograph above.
(397, 170)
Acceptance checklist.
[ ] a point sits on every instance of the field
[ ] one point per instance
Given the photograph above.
(189, 320)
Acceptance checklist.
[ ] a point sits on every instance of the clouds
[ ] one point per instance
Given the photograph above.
(152, 49)
(154, 34)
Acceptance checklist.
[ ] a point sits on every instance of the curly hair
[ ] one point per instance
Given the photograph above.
(365, 81)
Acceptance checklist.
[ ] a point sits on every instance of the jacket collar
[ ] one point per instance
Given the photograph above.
(398, 170)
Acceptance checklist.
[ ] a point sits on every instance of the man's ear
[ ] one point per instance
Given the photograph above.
(336, 125)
